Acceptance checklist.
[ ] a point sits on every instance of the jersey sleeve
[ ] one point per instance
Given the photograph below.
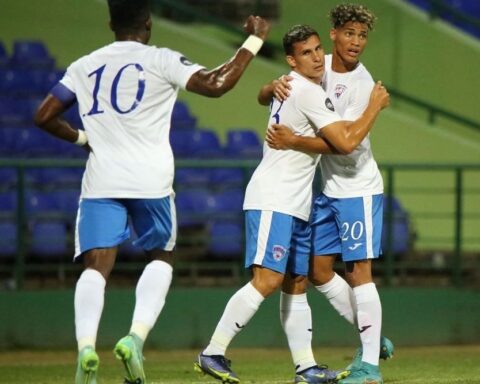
(176, 68)
(358, 100)
(318, 108)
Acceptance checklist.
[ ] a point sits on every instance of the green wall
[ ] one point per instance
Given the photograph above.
(427, 316)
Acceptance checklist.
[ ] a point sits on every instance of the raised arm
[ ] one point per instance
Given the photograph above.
(216, 82)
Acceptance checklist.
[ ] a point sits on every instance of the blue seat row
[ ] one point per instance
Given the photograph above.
(26, 54)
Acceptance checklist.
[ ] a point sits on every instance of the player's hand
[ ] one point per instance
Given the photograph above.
(279, 137)
(380, 96)
(255, 25)
(281, 87)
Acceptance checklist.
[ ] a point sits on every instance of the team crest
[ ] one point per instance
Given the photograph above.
(339, 89)
(279, 252)
(329, 104)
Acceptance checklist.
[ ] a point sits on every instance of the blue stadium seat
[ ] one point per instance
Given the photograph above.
(33, 142)
(62, 177)
(49, 239)
(205, 144)
(31, 54)
(192, 177)
(243, 143)
(66, 200)
(226, 178)
(8, 177)
(226, 239)
(402, 231)
(227, 204)
(195, 143)
(193, 206)
(40, 203)
(8, 203)
(4, 59)
(23, 82)
(181, 117)
(8, 240)
(15, 111)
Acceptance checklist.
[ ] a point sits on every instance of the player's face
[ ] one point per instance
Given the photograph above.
(308, 58)
(349, 41)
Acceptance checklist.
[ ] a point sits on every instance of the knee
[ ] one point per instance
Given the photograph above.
(101, 260)
(321, 276)
(267, 286)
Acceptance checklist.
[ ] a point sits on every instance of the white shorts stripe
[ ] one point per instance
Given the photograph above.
(173, 216)
(263, 233)
(368, 213)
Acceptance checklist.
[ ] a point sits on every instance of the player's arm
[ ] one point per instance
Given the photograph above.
(278, 88)
(346, 136)
(279, 136)
(47, 117)
(216, 82)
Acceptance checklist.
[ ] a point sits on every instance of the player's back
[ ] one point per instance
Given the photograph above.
(126, 92)
(282, 181)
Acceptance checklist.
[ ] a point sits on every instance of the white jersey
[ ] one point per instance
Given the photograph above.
(282, 182)
(356, 174)
(126, 92)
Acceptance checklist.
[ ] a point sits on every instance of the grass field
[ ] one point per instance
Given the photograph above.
(429, 365)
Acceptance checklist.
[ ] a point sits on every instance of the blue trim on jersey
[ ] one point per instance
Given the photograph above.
(351, 227)
(277, 241)
(62, 93)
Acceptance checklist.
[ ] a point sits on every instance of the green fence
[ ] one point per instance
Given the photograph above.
(442, 204)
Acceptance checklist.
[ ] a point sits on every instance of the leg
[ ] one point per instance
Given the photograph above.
(154, 222)
(336, 290)
(239, 310)
(89, 299)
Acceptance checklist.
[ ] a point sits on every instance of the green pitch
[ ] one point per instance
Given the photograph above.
(428, 365)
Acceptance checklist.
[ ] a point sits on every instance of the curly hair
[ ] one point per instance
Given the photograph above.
(343, 13)
(128, 15)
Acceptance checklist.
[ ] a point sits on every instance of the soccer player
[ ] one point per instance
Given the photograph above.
(347, 217)
(278, 201)
(126, 91)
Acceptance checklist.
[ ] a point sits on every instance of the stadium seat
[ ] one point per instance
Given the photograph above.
(40, 203)
(49, 239)
(192, 177)
(226, 204)
(33, 142)
(62, 177)
(195, 143)
(226, 239)
(182, 118)
(193, 206)
(402, 231)
(227, 178)
(8, 203)
(16, 111)
(4, 59)
(31, 54)
(8, 177)
(8, 240)
(243, 143)
(205, 144)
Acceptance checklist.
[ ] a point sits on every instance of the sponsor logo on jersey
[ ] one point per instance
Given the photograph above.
(339, 89)
(329, 104)
(279, 252)
(185, 61)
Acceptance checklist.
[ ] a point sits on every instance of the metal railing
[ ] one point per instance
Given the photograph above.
(457, 195)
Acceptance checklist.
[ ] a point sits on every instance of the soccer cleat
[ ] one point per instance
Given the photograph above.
(364, 374)
(216, 366)
(386, 352)
(87, 366)
(318, 375)
(129, 351)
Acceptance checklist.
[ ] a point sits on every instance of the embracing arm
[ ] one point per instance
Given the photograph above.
(218, 81)
(345, 137)
(278, 88)
(281, 137)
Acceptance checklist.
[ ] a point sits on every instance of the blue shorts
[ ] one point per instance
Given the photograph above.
(277, 241)
(103, 223)
(351, 227)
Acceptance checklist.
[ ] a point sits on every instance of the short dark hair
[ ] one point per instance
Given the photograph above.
(295, 34)
(343, 13)
(128, 15)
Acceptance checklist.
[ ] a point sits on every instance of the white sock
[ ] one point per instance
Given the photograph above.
(152, 288)
(239, 310)
(369, 320)
(296, 319)
(341, 296)
(88, 303)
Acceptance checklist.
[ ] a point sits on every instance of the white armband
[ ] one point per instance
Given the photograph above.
(82, 138)
(252, 44)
